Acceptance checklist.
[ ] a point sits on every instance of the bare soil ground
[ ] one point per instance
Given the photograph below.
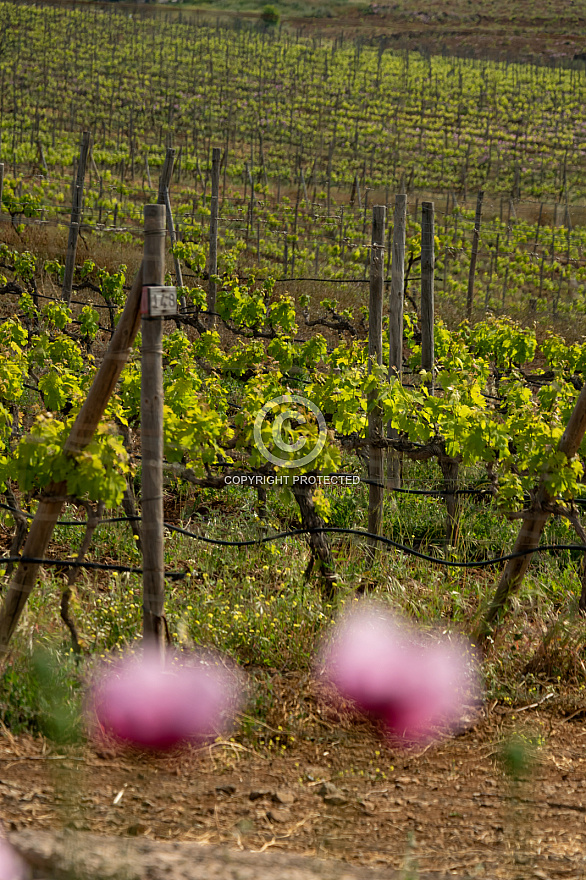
(550, 31)
(498, 30)
(335, 792)
(492, 41)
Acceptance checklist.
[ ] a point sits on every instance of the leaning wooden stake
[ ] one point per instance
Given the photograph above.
(76, 210)
(375, 357)
(166, 175)
(41, 153)
(148, 170)
(305, 196)
(164, 198)
(533, 525)
(151, 434)
(84, 427)
(396, 323)
(473, 258)
(213, 256)
(173, 237)
(397, 279)
(427, 292)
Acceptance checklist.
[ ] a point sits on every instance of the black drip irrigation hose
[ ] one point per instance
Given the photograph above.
(381, 539)
(179, 575)
(73, 563)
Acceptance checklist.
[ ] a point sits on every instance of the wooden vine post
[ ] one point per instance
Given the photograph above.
(173, 237)
(151, 431)
(397, 280)
(164, 198)
(474, 257)
(41, 153)
(76, 211)
(533, 525)
(148, 170)
(396, 322)
(375, 357)
(166, 175)
(1, 183)
(427, 291)
(24, 578)
(213, 255)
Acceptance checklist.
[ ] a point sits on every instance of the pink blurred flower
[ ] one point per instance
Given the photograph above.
(414, 686)
(12, 866)
(365, 658)
(144, 703)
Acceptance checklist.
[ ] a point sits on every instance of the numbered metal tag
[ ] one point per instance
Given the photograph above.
(158, 302)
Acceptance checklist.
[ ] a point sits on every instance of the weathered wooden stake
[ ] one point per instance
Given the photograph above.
(427, 292)
(397, 279)
(224, 164)
(450, 468)
(41, 153)
(164, 198)
(251, 203)
(375, 357)
(473, 258)
(329, 182)
(537, 227)
(166, 174)
(173, 237)
(76, 209)
(151, 434)
(1, 183)
(396, 323)
(285, 253)
(213, 254)
(305, 196)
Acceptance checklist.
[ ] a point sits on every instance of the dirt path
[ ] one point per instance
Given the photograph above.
(335, 793)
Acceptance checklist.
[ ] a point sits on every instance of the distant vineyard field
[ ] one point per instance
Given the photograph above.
(312, 134)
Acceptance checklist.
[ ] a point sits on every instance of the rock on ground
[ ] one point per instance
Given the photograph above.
(93, 857)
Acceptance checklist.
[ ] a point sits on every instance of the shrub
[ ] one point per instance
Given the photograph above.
(270, 16)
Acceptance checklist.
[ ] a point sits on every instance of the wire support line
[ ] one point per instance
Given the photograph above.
(179, 575)
(70, 522)
(430, 493)
(410, 551)
(73, 563)
(77, 302)
(341, 280)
